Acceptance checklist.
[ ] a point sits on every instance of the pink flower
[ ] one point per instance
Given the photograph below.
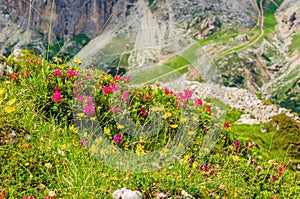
(80, 84)
(37, 60)
(250, 144)
(13, 76)
(237, 143)
(198, 102)
(280, 170)
(188, 94)
(125, 95)
(56, 89)
(3, 192)
(89, 77)
(259, 168)
(114, 87)
(167, 91)
(117, 139)
(226, 125)
(30, 60)
(106, 89)
(114, 110)
(143, 111)
(74, 91)
(84, 143)
(126, 78)
(117, 78)
(57, 96)
(72, 73)
(88, 109)
(89, 100)
(80, 98)
(274, 178)
(214, 171)
(57, 73)
(208, 108)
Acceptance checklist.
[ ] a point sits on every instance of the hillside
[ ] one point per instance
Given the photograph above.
(249, 44)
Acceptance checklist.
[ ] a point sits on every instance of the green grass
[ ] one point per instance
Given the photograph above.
(295, 44)
(36, 166)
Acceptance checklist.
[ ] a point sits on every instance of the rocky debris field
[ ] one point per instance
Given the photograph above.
(255, 110)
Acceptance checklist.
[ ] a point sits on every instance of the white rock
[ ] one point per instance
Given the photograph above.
(125, 193)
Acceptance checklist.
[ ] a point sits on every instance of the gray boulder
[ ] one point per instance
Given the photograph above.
(125, 193)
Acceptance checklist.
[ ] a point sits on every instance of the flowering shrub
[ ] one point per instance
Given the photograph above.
(137, 120)
(141, 119)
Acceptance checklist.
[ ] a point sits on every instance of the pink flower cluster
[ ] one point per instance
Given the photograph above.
(57, 72)
(108, 89)
(89, 109)
(71, 73)
(183, 97)
(118, 139)
(57, 95)
(125, 95)
(198, 102)
(37, 60)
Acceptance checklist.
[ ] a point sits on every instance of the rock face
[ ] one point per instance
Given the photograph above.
(256, 111)
(65, 18)
(68, 18)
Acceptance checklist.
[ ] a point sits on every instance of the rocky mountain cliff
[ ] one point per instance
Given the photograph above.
(253, 45)
(43, 22)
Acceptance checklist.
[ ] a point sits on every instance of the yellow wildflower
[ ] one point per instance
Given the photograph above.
(167, 115)
(2, 91)
(184, 119)
(93, 149)
(190, 133)
(195, 164)
(80, 115)
(11, 102)
(126, 147)
(98, 140)
(63, 147)
(76, 60)
(157, 108)
(74, 129)
(114, 179)
(93, 118)
(140, 149)
(57, 59)
(164, 152)
(119, 126)
(186, 159)
(9, 109)
(271, 161)
(202, 187)
(48, 165)
(236, 158)
(174, 126)
(107, 131)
